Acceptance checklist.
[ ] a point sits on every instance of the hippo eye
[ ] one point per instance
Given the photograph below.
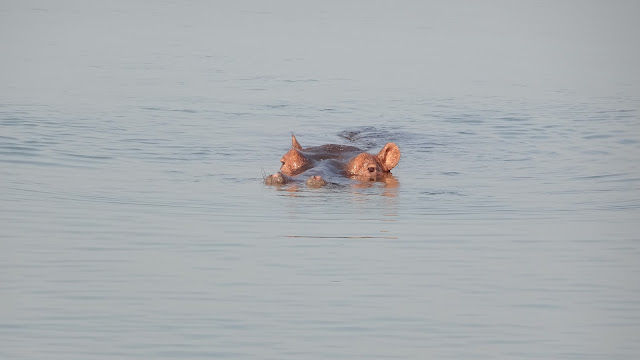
(371, 169)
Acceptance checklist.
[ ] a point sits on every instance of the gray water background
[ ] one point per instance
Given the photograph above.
(134, 137)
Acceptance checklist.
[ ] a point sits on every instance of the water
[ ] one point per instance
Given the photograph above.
(134, 139)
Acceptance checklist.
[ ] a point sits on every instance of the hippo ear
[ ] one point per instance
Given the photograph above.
(389, 156)
(294, 143)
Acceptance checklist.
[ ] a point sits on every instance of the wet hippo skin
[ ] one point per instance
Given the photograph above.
(320, 164)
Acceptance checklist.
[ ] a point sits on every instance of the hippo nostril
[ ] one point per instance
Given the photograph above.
(372, 169)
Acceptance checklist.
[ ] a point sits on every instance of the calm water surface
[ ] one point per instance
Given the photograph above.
(135, 225)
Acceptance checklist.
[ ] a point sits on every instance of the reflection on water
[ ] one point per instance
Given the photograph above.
(388, 182)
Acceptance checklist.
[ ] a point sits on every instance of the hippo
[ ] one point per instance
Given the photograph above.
(334, 161)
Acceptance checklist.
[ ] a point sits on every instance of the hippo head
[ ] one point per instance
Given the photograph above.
(366, 166)
(294, 163)
(362, 165)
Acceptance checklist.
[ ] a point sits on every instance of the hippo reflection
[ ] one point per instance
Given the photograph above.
(327, 162)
